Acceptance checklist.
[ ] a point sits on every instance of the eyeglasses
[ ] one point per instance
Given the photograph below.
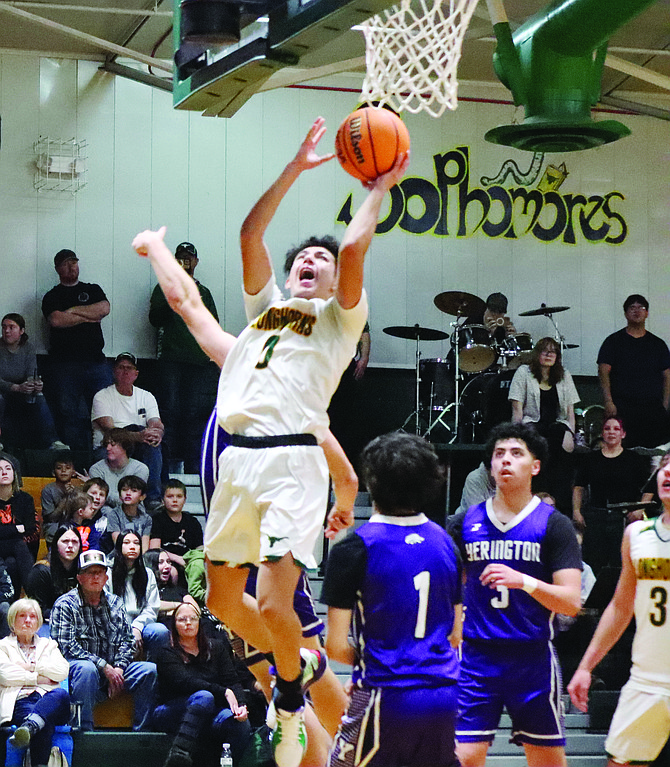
(187, 619)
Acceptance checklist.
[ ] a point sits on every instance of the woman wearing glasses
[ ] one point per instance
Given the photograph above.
(201, 698)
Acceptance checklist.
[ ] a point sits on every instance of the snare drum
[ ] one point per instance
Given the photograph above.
(476, 352)
(515, 349)
(436, 383)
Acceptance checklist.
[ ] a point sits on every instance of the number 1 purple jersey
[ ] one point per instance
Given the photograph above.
(402, 587)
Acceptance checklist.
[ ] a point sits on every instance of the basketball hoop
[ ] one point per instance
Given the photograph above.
(413, 52)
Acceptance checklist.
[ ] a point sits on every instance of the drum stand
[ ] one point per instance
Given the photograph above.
(457, 393)
(560, 338)
(415, 414)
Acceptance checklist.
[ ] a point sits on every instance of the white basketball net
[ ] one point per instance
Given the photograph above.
(413, 52)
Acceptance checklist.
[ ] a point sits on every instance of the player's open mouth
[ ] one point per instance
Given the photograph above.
(306, 273)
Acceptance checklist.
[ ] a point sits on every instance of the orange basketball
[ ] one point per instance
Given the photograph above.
(369, 141)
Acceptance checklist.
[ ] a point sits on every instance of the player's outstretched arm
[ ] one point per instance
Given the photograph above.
(358, 236)
(613, 623)
(183, 295)
(256, 263)
(345, 486)
(338, 647)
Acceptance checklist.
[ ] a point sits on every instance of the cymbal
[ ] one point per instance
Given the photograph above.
(459, 303)
(631, 505)
(415, 332)
(571, 346)
(544, 309)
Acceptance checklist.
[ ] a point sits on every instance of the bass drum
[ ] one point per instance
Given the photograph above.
(484, 404)
(437, 387)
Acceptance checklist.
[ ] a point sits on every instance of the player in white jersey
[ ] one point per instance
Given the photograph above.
(641, 723)
(276, 382)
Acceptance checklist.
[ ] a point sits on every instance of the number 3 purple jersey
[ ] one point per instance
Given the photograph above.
(538, 542)
(401, 577)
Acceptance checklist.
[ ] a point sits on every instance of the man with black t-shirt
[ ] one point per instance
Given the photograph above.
(78, 369)
(634, 373)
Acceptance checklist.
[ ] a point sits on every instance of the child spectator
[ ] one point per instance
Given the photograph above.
(98, 490)
(91, 525)
(54, 493)
(130, 515)
(173, 529)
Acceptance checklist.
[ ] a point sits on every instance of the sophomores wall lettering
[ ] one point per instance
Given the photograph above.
(449, 207)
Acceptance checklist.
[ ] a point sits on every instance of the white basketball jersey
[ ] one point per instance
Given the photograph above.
(286, 364)
(650, 552)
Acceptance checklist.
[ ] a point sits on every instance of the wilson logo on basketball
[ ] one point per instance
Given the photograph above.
(355, 138)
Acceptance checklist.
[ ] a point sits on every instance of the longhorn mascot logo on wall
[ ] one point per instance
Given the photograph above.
(447, 206)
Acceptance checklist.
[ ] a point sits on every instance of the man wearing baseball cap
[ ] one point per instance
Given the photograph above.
(95, 637)
(77, 365)
(188, 378)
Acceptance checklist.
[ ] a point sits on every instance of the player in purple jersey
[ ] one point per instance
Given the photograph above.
(522, 564)
(396, 583)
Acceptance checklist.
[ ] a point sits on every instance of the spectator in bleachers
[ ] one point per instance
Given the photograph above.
(18, 522)
(98, 490)
(55, 576)
(117, 464)
(125, 406)
(99, 537)
(201, 698)
(135, 583)
(54, 493)
(31, 670)
(172, 528)
(130, 515)
(93, 632)
(78, 509)
(77, 366)
(171, 594)
(25, 416)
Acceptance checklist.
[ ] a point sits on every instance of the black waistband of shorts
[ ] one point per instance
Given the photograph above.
(276, 440)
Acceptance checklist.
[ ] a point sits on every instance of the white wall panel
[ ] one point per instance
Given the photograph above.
(150, 165)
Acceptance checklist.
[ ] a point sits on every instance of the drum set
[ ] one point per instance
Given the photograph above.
(466, 392)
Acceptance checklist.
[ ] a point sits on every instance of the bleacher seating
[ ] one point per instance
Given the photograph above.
(115, 745)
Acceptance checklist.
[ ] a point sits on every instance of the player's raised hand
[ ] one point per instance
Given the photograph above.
(579, 689)
(392, 177)
(307, 156)
(144, 240)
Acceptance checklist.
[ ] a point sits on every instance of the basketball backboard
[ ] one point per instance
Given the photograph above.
(218, 81)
